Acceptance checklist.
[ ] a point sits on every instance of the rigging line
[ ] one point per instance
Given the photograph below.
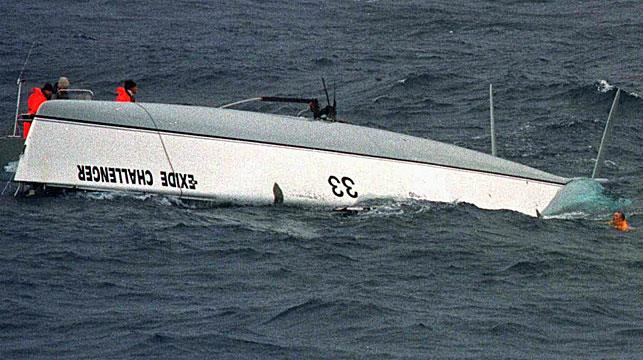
(9, 182)
(18, 188)
(158, 131)
(5, 187)
(26, 60)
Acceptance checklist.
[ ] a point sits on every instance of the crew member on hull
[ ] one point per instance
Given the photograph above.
(60, 88)
(126, 92)
(37, 97)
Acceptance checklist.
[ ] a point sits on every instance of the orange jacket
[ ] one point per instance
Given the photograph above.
(123, 96)
(621, 225)
(35, 100)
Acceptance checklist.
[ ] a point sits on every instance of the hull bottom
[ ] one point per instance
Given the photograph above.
(98, 158)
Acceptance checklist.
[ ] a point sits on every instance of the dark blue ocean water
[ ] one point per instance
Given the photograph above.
(90, 275)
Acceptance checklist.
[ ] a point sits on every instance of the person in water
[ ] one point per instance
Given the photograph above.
(619, 222)
(126, 92)
(38, 97)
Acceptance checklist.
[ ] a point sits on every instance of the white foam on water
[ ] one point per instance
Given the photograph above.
(604, 86)
(11, 167)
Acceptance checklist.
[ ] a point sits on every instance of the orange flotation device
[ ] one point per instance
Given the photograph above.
(621, 225)
(36, 99)
(122, 95)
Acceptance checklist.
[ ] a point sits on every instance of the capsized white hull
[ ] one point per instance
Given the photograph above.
(94, 156)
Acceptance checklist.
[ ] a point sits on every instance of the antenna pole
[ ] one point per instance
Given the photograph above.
(326, 91)
(606, 134)
(493, 129)
(19, 83)
(15, 123)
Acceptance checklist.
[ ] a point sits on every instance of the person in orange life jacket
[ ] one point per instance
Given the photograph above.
(126, 92)
(619, 222)
(37, 97)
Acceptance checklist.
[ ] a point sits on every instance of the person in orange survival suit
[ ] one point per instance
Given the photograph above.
(619, 222)
(126, 92)
(37, 97)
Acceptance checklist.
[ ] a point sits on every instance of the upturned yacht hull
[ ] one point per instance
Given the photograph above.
(247, 157)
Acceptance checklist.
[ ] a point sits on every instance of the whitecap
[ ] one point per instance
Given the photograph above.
(603, 86)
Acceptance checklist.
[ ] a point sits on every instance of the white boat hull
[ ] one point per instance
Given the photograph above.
(107, 157)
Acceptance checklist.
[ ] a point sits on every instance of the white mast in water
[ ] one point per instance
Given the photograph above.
(606, 134)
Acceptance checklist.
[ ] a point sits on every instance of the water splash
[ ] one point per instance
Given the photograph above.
(603, 86)
(11, 167)
(583, 198)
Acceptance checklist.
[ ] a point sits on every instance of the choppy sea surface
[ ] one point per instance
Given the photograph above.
(113, 276)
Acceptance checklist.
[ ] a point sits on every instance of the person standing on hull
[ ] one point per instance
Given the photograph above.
(126, 92)
(38, 97)
(60, 88)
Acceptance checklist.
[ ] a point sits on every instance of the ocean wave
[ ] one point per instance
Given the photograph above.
(428, 80)
(241, 252)
(515, 328)
(73, 256)
(586, 93)
(604, 87)
(17, 282)
(436, 254)
(393, 207)
(342, 310)
(634, 264)
(598, 309)
(636, 333)
(323, 61)
(528, 267)
(110, 195)
(336, 257)
(210, 344)
(157, 199)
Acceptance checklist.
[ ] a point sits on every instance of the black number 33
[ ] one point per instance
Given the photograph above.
(347, 184)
